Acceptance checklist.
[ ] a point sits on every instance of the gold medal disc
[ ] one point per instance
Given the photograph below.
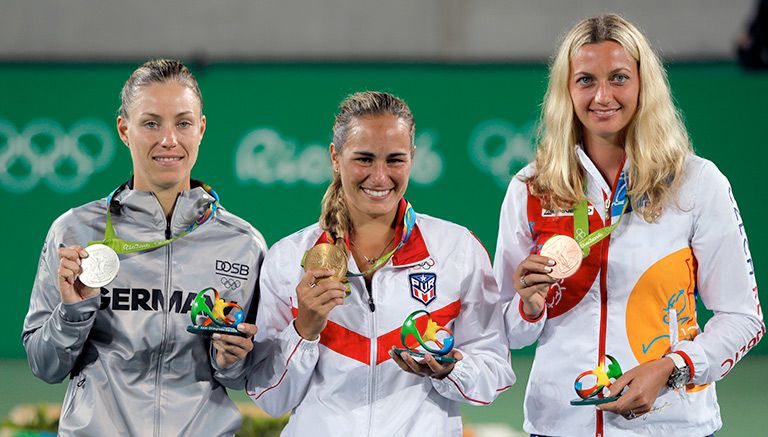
(327, 256)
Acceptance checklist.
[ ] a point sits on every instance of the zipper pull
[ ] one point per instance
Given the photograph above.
(371, 305)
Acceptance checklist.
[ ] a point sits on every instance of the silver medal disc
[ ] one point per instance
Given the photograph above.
(101, 266)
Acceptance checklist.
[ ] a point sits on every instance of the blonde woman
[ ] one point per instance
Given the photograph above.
(651, 228)
(330, 358)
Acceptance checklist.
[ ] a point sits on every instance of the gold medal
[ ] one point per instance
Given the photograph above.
(327, 256)
(567, 255)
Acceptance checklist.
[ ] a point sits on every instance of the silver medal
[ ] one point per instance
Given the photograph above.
(101, 266)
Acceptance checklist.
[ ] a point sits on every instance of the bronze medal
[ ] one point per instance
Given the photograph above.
(327, 256)
(567, 255)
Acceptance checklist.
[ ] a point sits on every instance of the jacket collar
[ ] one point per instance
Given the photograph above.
(143, 207)
(414, 250)
(594, 173)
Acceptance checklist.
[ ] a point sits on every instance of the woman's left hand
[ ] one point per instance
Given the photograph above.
(428, 366)
(644, 383)
(233, 348)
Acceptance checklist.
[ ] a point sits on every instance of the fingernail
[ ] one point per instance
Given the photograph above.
(217, 336)
(547, 269)
(551, 262)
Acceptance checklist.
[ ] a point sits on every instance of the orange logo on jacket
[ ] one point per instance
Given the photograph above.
(665, 291)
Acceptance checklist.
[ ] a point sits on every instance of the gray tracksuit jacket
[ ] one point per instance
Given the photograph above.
(133, 368)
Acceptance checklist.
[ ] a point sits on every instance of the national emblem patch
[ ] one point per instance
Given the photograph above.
(423, 286)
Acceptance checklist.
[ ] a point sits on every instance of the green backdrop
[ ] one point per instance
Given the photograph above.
(265, 149)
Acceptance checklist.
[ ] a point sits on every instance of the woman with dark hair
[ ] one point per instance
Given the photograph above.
(329, 337)
(119, 331)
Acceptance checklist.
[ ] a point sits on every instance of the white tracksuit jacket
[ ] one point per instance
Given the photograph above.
(620, 300)
(345, 383)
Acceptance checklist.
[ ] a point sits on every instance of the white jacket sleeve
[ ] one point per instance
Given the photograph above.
(54, 333)
(485, 371)
(725, 281)
(283, 362)
(514, 244)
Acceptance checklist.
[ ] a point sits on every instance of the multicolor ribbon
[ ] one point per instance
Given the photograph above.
(122, 246)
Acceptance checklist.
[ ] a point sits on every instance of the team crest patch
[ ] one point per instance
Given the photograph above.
(423, 286)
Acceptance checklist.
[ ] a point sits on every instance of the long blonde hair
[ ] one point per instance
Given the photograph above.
(656, 139)
(334, 216)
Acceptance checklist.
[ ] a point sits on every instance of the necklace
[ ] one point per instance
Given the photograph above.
(372, 261)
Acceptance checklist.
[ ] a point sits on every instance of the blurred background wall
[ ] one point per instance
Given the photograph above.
(414, 30)
(273, 72)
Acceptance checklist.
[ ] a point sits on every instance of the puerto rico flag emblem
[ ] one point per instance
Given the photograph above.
(423, 287)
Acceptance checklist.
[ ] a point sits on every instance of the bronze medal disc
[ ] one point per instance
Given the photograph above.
(567, 255)
(327, 256)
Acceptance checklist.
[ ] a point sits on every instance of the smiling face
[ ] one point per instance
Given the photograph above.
(374, 165)
(604, 85)
(163, 131)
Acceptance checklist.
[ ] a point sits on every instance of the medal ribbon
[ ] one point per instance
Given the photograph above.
(581, 218)
(122, 246)
(409, 221)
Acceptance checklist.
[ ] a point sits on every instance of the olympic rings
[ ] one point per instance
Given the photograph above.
(45, 151)
(501, 149)
(522, 281)
(230, 283)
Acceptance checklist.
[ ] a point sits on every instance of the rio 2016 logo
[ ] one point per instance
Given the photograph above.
(44, 151)
(265, 157)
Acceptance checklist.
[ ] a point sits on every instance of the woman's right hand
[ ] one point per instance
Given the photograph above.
(70, 287)
(532, 282)
(317, 296)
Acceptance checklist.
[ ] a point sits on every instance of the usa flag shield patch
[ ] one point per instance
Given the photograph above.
(423, 287)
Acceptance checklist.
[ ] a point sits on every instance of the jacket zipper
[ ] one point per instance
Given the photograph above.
(599, 431)
(166, 294)
(372, 358)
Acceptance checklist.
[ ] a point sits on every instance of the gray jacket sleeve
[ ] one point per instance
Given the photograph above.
(234, 376)
(54, 333)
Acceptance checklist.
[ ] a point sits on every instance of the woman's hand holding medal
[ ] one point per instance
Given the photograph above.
(70, 268)
(533, 282)
(318, 293)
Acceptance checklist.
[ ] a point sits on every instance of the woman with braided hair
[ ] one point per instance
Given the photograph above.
(326, 337)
